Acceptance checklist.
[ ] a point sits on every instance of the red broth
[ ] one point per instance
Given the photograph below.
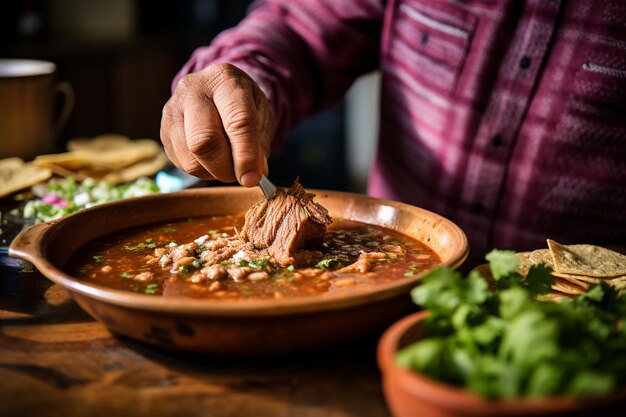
(353, 256)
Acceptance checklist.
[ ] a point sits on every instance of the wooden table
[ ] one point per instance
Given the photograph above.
(55, 360)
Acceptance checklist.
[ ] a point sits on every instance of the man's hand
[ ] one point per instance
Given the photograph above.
(218, 125)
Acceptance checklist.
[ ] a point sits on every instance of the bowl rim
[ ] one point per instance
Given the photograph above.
(42, 232)
(458, 399)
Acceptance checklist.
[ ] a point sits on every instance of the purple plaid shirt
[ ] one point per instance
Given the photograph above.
(508, 117)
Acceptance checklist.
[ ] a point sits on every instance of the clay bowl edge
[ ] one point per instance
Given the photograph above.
(220, 326)
(410, 393)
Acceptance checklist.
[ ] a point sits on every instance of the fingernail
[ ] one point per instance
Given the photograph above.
(250, 179)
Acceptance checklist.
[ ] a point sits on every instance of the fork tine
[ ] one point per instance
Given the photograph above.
(268, 188)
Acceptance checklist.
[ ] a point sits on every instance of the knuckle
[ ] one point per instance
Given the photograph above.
(193, 167)
(227, 77)
(204, 141)
(225, 71)
(169, 110)
(239, 121)
(186, 83)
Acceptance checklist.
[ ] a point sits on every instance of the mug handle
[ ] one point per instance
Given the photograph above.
(64, 88)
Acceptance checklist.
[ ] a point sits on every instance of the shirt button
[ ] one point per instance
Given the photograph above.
(496, 141)
(425, 38)
(524, 63)
(477, 207)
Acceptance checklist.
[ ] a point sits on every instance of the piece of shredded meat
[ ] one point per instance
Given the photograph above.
(279, 232)
(286, 225)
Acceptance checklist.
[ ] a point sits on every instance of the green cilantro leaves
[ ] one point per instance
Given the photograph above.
(504, 343)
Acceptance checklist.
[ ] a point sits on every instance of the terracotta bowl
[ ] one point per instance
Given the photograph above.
(410, 393)
(236, 327)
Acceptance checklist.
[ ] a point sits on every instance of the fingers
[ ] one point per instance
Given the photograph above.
(206, 140)
(174, 142)
(233, 97)
(218, 125)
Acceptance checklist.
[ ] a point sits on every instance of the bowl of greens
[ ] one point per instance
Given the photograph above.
(501, 347)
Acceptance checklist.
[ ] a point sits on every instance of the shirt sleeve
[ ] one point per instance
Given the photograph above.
(303, 54)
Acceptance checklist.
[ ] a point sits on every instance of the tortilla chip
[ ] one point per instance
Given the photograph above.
(15, 175)
(554, 296)
(574, 280)
(588, 260)
(9, 164)
(578, 278)
(102, 155)
(112, 158)
(524, 263)
(619, 283)
(140, 169)
(98, 143)
(567, 287)
(71, 161)
(115, 154)
(541, 256)
(79, 172)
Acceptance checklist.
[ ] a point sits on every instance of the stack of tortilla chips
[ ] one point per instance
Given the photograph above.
(112, 158)
(576, 267)
(15, 175)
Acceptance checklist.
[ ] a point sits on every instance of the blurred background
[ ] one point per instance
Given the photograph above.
(121, 55)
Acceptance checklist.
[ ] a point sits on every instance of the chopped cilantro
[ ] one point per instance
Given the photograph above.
(168, 230)
(243, 264)
(75, 195)
(504, 343)
(364, 235)
(259, 264)
(151, 245)
(328, 263)
(126, 275)
(214, 232)
(133, 248)
(413, 269)
(184, 268)
(291, 268)
(134, 287)
(97, 258)
(152, 288)
(539, 279)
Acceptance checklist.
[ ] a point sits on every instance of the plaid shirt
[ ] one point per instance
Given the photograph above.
(508, 117)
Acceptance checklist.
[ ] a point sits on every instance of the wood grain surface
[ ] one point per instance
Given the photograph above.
(55, 360)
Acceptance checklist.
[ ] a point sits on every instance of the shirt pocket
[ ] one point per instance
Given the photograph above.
(600, 86)
(433, 39)
(595, 104)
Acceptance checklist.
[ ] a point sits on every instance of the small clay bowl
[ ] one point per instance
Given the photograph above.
(410, 393)
(234, 327)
